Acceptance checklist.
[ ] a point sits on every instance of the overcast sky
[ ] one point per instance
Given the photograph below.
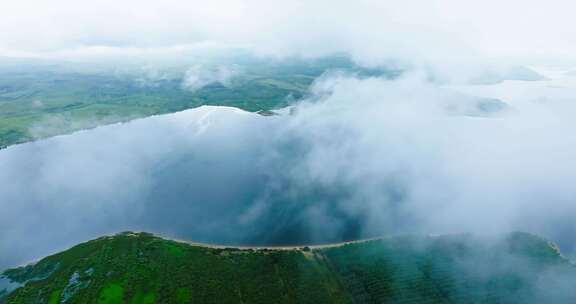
(368, 28)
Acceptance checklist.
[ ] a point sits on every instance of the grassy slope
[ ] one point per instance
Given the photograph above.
(63, 103)
(40, 99)
(142, 268)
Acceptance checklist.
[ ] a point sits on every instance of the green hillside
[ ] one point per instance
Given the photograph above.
(142, 268)
(42, 98)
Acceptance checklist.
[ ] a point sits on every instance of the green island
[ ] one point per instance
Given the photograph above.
(143, 268)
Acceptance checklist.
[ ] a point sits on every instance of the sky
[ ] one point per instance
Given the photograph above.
(436, 30)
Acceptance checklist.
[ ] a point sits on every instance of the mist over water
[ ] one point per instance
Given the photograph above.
(361, 157)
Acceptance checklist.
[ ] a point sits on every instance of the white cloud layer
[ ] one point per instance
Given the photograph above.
(361, 157)
(448, 30)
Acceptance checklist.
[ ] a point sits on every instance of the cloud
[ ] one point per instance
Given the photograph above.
(439, 30)
(407, 158)
(61, 190)
(200, 76)
(360, 157)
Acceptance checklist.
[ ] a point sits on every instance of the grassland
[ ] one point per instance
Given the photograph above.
(40, 99)
(142, 268)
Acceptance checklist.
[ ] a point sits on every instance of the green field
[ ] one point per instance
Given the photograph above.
(142, 268)
(40, 99)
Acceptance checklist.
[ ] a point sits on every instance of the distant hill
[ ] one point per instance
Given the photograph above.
(142, 268)
(40, 99)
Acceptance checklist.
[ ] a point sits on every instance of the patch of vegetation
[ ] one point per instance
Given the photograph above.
(113, 293)
(142, 268)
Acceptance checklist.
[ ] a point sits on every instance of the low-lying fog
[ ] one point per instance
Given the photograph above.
(361, 157)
